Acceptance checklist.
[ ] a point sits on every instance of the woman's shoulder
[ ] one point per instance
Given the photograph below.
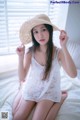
(60, 54)
(28, 52)
(57, 52)
(57, 48)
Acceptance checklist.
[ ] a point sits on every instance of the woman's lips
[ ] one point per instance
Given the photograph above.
(42, 40)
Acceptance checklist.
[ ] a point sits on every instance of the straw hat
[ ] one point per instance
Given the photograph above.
(25, 30)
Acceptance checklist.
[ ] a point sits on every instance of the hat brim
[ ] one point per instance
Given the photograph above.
(25, 30)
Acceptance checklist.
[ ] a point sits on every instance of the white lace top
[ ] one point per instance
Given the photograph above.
(36, 89)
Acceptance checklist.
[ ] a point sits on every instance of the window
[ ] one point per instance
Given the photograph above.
(14, 12)
(12, 15)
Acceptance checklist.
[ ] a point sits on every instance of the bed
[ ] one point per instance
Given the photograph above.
(70, 110)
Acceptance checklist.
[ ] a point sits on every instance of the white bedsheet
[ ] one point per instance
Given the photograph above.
(70, 109)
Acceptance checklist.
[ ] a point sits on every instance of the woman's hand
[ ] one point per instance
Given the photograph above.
(21, 84)
(63, 38)
(20, 50)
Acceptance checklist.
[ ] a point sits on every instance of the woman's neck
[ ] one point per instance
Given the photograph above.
(43, 49)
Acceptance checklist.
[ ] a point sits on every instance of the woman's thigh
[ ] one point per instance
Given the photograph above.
(42, 109)
(16, 102)
(23, 109)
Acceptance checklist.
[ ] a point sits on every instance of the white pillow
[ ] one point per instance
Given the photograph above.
(74, 50)
(78, 74)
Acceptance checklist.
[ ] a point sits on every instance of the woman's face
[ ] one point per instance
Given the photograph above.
(41, 34)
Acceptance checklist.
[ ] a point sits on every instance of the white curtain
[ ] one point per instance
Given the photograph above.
(14, 12)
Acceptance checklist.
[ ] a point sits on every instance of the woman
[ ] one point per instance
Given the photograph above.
(40, 69)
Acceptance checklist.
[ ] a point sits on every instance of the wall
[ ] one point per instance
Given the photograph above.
(73, 30)
(73, 22)
(61, 22)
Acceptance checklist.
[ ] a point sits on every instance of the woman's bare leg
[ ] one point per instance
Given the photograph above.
(22, 109)
(55, 108)
(42, 110)
(16, 102)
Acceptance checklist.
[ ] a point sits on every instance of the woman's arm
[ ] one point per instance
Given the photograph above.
(24, 62)
(65, 58)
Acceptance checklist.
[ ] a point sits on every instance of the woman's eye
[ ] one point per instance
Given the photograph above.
(44, 29)
(35, 32)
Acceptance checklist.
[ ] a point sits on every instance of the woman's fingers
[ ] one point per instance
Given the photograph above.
(63, 35)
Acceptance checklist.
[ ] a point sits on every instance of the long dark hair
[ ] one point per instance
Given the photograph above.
(49, 52)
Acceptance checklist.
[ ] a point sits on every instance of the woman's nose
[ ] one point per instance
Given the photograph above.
(40, 35)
